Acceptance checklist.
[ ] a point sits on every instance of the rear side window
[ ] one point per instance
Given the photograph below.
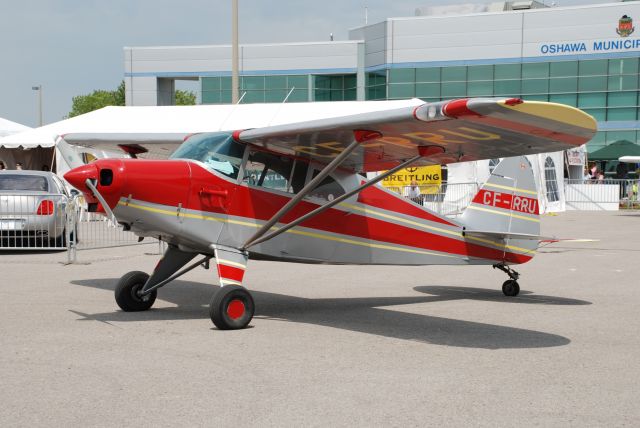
(23, 182)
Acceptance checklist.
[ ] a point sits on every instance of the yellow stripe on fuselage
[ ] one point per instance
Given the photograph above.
(515, 189)
(331, 238)
(509, 214)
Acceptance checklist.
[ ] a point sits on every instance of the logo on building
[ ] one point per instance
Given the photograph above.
(625, 26)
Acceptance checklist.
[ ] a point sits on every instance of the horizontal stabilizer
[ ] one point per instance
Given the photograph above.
(505, 235)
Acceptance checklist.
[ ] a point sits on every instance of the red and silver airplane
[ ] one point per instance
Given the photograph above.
(295, 192)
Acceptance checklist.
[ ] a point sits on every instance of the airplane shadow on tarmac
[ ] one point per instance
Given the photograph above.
(366, 315)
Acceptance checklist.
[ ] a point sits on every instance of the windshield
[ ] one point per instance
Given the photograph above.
(217, 151)
(23, 182)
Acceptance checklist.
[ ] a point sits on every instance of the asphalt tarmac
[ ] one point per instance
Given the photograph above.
(332, 345)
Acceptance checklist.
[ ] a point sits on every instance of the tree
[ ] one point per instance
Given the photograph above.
(82, 104)
(185, 98)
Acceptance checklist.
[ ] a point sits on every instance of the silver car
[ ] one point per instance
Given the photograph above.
(33, 209)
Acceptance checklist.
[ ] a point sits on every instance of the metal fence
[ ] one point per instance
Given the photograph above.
(607, 194)
(33, 220)
(449, 199)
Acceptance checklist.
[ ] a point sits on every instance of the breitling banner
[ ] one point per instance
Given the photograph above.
(427, 177)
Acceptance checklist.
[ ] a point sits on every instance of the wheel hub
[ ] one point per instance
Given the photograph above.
(235, 309)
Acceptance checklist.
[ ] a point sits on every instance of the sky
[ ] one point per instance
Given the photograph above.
(72, 47)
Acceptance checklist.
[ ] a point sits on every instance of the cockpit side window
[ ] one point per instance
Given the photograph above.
(218, 151)
(275, 172)
(327, 190)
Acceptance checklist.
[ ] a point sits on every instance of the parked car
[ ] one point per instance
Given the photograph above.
(33, 209)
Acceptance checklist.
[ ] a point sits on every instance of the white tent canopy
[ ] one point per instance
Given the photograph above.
(8, 127)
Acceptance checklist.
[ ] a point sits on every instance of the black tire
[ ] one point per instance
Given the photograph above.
(511, 288)
(231, 308)
(127, 292)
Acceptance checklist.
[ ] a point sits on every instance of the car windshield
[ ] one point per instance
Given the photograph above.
(217, 151)
(23, 182)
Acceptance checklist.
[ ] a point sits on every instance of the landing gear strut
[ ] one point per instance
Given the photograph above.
(510, 287)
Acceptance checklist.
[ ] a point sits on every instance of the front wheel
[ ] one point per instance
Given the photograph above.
(511, 288)
(231, 308)
(127, 290)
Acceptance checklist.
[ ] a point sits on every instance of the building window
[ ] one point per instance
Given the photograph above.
(551, 180)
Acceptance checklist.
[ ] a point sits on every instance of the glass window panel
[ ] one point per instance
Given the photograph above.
(563, 84)
(507, 71)
(377, 78)
(322, 82)
(595, 83)
(622, 99)
(568, 99)
(337, 82)
(275, 95)
(380, 92)
(337, 95)
(592, 100)
(253, 97)
(628, 113)
(402, 75)
(430, 100)
(593, 68)
(480, 72)
(480, 89)
(225, 83)
(454, 74)
(225, 97)
(252, 82)
(536, 69)
(298, 96)
(210, 97)
(612, 136)
(600, 114)
(599, 138)
(453, 89)
(428, 90)
(535, 86)
(297, 82)
(428, 74)
(350, 94)
(210, 83)
(322, 95)
(275, 82)
(350, 81)
(564, 68)
(621, 82)
(535, 97)
(506, 87)
(401, 91)
(623, 66)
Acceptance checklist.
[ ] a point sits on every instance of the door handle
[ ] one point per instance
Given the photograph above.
(204, 191)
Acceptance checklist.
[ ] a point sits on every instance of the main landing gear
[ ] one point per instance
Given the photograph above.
(232, 306)
(510, 287)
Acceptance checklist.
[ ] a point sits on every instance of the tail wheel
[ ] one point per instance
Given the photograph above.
(511, 288)
(127, 290)
(231, 308)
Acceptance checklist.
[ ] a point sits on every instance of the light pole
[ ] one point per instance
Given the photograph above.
(39, 89)
(235, 92)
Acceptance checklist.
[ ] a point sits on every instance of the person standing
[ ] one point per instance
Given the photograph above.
(414, 193)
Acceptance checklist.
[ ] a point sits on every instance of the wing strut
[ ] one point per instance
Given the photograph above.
(332, 203)
(359, 137)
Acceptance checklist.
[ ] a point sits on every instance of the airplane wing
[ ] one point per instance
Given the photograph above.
(452, 131)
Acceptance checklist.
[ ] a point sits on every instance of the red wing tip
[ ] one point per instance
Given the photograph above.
(458, 108)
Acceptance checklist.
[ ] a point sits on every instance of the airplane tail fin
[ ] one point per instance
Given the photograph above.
(506, 211)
